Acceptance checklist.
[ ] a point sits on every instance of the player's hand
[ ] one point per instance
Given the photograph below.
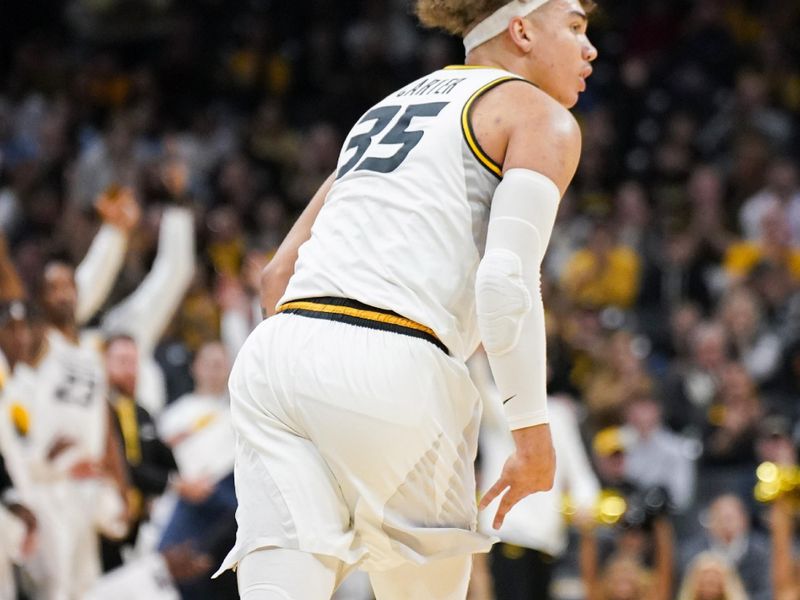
(184, 563)
(59, 447)
(174, 175)
(195, 490)
(29, 519)
(531, 468)
(86, 469)
(118, 207)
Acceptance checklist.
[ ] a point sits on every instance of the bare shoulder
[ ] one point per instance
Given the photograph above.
(544, 136)
(520, 126)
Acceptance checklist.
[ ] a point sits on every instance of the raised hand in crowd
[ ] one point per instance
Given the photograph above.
(118, 206)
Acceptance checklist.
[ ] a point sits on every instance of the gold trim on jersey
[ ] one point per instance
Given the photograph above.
(469, 134)
(461, 67)
(357, 313)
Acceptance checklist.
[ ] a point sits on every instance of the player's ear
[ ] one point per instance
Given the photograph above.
(521, 31)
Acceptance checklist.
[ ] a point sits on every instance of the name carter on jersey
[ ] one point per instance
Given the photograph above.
(432, 86)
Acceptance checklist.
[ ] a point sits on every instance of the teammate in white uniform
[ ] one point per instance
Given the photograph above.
(356, 418)
(67, 449)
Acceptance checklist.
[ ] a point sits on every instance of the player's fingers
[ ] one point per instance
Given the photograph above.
(508, 501)
(493, 492)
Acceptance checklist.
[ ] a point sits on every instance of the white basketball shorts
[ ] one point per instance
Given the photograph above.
(355, 443)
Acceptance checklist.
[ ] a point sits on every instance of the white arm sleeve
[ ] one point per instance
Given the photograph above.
(508, 294)
(147, 311)
(98, 270)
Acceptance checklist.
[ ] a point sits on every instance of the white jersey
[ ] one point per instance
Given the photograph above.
(65, 396)
(404, 225)
(199, 429)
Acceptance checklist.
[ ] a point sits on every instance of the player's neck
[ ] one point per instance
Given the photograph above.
(209, 390)
(495, 54)
(69, 331)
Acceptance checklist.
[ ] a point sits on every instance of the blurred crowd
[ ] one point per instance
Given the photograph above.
(153, 155)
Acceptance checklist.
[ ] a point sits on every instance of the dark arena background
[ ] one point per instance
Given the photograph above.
(165, 147)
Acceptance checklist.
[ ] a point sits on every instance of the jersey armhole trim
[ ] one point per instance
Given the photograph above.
(469, 134)
(463, 67)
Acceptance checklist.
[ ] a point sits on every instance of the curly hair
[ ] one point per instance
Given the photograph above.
(457, 16)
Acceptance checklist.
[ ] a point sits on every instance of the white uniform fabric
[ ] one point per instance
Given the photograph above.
(408, 240)
(199, 429)
(12, 532)
(279, 574)
(353, 443)
(359, 443)
(98, 271)
(63, 397)
(146, 577)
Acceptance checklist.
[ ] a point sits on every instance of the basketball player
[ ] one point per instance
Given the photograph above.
(356, 418)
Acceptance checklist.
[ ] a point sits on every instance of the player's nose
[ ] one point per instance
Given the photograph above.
(589, 52)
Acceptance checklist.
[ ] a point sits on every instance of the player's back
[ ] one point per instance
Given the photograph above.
(404, 224)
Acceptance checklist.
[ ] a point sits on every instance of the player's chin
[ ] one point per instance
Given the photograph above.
(569, 100)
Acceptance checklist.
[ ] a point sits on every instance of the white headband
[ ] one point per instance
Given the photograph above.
(498, 21)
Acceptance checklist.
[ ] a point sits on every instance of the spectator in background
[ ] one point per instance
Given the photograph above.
(708, 221)
(733, 422)
(728, 533)
(690, 388)
(782, 194)
(676, 276)
(780, 297)
(114, 159)
(642, 535)
(620, 374)
(683, 319)
(775, 442)
(711, 577)
(773, 245)
(758, 348)
(603, 272)
(625, 576)
(634, 220)
(197, 426)
(656, 456)
(149, 461)
(728, 460)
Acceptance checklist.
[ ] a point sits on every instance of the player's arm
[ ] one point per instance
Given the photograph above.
(782, 533)
(664, 542)
(11, 286)
(146, 313)
(95, 275)
(589, 563)
(540, 156)
(277, 273)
